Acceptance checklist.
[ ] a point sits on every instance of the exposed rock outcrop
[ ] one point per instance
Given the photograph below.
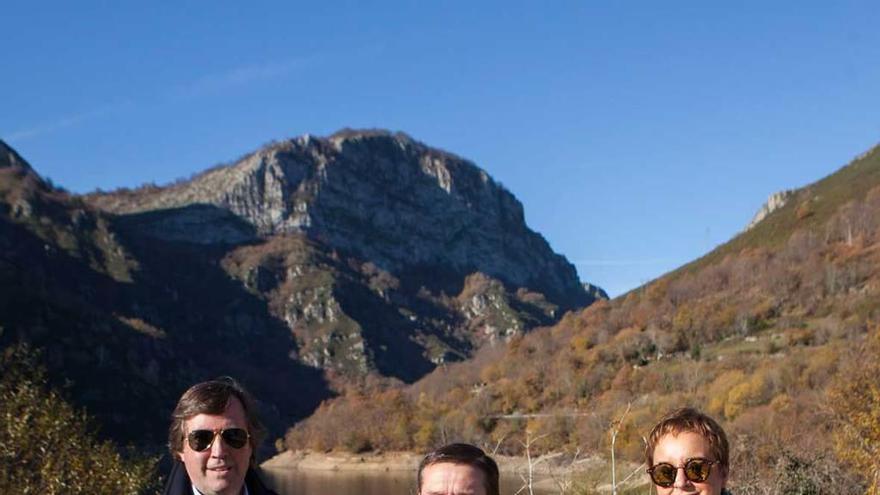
(774, 202)
(595, 291)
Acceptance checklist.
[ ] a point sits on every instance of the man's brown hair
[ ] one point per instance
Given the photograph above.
(213, 397)
(463, 453)
(690, 420)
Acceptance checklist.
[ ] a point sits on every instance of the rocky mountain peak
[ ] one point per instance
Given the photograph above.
(381, 196)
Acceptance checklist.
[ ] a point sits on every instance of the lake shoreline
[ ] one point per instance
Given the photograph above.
(546, 470)
(408, 462)
(343, 461)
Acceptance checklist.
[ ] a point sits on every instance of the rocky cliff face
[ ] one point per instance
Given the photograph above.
(382, 197)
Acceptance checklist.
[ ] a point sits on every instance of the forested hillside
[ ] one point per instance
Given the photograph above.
(774, 333)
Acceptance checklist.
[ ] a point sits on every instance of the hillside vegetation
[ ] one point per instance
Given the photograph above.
(118, 316)
(46, 446)
(760, 333)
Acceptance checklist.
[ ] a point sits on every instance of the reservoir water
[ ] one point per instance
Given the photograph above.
(296, 482)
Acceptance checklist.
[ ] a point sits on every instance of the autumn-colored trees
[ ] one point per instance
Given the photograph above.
(855, 400)
(46, 446)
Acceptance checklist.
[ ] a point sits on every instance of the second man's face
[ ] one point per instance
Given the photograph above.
(446, 478)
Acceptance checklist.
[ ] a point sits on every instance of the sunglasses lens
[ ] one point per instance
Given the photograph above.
(235, 437)
(697, 470)
(663, 475)
(200, 440)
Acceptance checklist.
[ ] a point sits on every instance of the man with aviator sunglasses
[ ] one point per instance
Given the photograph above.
(213, 436)
(688, 452)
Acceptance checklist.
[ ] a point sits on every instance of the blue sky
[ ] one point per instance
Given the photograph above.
(638, 135)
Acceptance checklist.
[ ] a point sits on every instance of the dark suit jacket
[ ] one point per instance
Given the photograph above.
(179, 483)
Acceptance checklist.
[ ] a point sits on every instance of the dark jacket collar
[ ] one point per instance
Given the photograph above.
(179, 484)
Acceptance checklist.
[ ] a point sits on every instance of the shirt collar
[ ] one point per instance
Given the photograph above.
(245, 492)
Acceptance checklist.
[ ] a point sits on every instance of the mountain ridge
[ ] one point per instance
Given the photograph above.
(373, 193)
(117, 289)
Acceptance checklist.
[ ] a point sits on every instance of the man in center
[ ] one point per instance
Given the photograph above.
(458, 469)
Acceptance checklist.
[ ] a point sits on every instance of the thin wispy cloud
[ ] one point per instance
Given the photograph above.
(210, 84)
(623, 262)
(237, 77)
(63, 122)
